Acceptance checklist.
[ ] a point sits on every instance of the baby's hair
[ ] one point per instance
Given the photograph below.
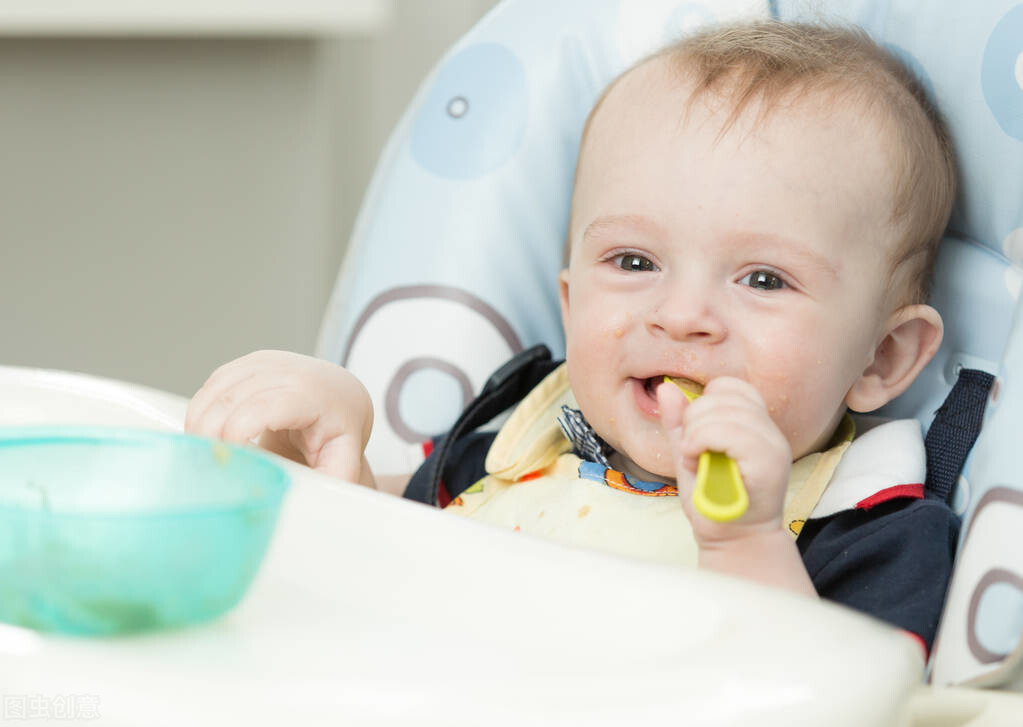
(771, 62)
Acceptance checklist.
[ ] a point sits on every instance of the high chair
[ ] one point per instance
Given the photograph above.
(453, 262)
(373, 610)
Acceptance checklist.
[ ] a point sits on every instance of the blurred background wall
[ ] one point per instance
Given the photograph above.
(174, 196)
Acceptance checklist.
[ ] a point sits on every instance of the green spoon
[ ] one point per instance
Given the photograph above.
(720, 494)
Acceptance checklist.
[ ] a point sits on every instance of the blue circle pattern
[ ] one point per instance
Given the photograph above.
(430, 400)
(1000, 618)
(474, 118)
(998, 73)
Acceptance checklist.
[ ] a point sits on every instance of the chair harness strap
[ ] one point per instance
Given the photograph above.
(506, 387)
(954, 430)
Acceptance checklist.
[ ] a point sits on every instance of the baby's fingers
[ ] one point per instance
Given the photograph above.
(673, 405)
(212, 412)
(340, 457)
(221, 390)
(267, 410)
(719, 434)
(730, 387)
(762, 454)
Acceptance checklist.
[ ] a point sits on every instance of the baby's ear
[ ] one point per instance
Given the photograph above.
(563, 293)
(911, 337)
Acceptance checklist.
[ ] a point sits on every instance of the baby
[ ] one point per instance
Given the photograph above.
(756, 210)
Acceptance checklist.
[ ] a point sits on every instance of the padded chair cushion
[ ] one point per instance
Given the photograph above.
(453, 262)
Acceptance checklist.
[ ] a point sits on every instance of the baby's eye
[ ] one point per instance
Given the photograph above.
(634, 263)
(763, 280)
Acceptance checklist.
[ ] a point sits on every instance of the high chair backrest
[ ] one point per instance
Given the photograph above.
(453, 263)
(970, 59)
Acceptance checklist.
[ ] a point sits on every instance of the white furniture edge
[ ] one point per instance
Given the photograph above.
(193, 17)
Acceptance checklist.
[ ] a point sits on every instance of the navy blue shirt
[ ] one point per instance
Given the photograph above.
(892, 561)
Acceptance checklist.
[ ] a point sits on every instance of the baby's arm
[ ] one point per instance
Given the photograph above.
(731, 417)
(306, 409)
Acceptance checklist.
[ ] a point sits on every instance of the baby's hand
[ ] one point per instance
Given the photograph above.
(730, 417)
(294, 404)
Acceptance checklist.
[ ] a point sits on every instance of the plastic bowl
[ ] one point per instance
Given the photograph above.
(109, 531)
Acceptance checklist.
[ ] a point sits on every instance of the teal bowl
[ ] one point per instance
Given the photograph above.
(111, 531)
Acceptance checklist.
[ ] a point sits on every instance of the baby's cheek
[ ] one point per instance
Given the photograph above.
(804, 418)
(791, 400)
(661, 461)
(596, 326)
(775, 383)
(611, 325)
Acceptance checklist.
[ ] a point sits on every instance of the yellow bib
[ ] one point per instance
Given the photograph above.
(534, 484)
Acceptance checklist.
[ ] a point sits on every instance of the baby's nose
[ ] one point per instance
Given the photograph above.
(687, 318)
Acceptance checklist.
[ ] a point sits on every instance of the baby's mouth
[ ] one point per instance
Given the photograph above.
(645, 392)
(650, 384)
(687, 385)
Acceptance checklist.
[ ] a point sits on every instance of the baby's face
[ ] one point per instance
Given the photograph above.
(761, 254)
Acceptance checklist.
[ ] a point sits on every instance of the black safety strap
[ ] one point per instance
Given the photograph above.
(506, 387)
(954, 430)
